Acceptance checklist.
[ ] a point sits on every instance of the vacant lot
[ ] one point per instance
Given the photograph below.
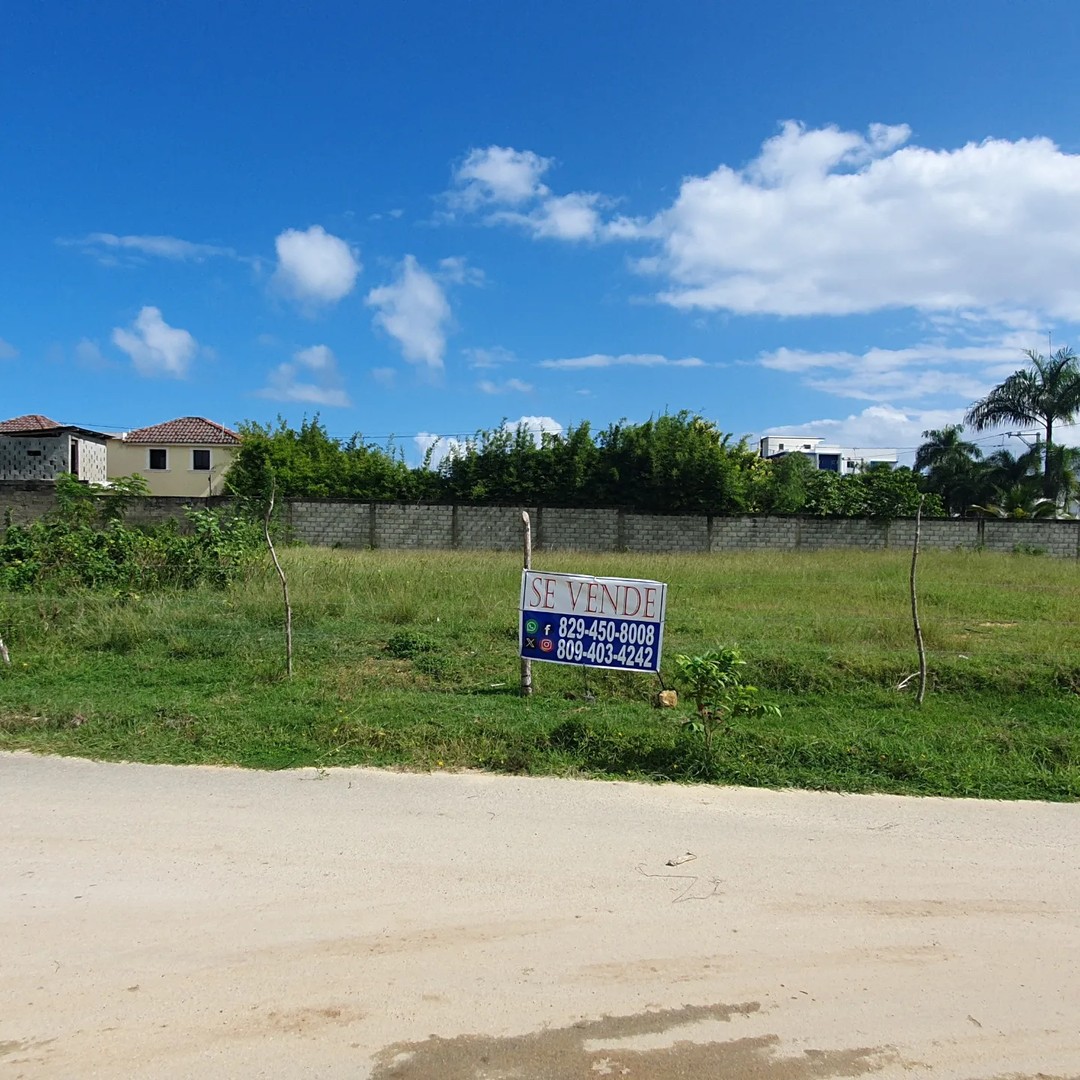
(410, 659)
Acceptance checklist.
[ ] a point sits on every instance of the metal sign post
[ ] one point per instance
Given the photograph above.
(526, 663)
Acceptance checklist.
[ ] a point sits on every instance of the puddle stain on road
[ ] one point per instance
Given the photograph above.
(562, 1053)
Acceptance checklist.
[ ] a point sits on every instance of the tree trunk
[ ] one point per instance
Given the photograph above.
(1048, 491)
(915, 607)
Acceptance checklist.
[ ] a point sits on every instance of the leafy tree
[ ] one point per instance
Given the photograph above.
(951, 467)
(674, 463)
(310, 463)
(677, 463)
(888, 493)
(1046, 392)
(791, 478)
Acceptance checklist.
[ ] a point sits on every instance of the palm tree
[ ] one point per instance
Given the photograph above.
(945, 446)
(1017, 505)
(950, 464)
(1002, 471)
(1044, 393)
(1063, 467)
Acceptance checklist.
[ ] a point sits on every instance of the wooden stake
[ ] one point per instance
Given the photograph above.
(284, 583)
(526, 665)
(915, 607)
(4, 653)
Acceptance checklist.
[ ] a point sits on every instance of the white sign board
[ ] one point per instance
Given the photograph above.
(603, 622)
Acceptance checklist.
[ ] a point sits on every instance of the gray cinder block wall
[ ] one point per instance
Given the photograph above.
(328, 523)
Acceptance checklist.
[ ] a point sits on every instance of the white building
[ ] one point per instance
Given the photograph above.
(837, 459)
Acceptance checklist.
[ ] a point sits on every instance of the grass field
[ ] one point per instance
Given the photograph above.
(410, 659)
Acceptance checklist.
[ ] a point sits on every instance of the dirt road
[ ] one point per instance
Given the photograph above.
(175, 923)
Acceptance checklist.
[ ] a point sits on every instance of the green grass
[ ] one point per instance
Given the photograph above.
(410, 659)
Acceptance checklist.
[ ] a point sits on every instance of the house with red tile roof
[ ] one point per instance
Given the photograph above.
(35, 447)
(187, 457)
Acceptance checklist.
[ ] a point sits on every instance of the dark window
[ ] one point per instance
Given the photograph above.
(75, 457)
(829, 462)
(200, 460)
(159, 459)
(33, 453)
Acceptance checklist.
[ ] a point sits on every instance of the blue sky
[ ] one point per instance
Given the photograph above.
(418, 219)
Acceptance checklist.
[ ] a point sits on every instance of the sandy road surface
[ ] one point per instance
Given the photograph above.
(161, 922)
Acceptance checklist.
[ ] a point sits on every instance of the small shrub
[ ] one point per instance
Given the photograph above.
(407, 644)
(70, 550)
(714, 683)
(1028, 549)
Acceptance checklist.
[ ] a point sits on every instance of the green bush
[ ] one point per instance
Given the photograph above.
(86, 544)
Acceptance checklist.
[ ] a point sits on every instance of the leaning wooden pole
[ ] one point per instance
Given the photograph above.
(915, 606)
(284, 583)
(526, 664)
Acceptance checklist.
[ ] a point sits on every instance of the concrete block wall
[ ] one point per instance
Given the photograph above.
(156, 509)
(649, 533)
(24, 457)
(816, 534)
(579, 530)
(491, 528)
(1059, 538)
(92, 459)
(26, 501)
(935, 534)
(322, 523)
(398, 525)
(326, 523)
(754, 533)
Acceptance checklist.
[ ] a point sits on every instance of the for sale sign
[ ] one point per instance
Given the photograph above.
(602, 622)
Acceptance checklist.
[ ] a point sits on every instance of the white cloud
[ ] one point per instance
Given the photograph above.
(312, 377)
(7, 350)
(314, 266)
(161, 247)
(510, 386)
(498, 174)
(966, 356)
(441, 447)
(828, 222)
(155, 347)
(604, 360)
(88, 354)
(831, 222)
(559, 217)
(457, 271)
(535, 425)
(909, 374)
(505, 185)
(878, 426)
(494, 357)
(414, 311)
(797, 154)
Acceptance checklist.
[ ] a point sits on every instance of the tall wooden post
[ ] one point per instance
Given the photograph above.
(526, 665)
(915, 606)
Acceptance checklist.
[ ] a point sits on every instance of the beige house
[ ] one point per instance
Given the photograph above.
(34, 447)
(188, 456)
